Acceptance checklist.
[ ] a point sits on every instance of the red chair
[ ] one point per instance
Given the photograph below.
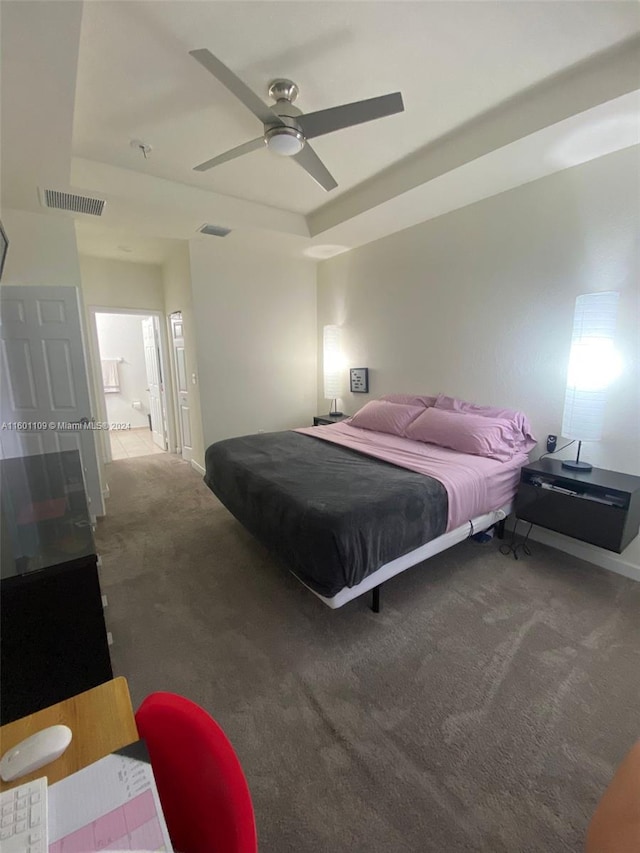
(204, 794)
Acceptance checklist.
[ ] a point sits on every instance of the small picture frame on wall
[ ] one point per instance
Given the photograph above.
(359, 380)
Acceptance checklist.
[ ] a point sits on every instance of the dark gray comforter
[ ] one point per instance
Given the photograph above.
(332, 514)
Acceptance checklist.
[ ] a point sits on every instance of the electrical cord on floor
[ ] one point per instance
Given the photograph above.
(557, 450)
(512, 547)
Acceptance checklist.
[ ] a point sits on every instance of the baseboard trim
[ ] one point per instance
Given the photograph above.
(197, 467)
(598, 556)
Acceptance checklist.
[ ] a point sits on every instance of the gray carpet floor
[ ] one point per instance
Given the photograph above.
(484, 709)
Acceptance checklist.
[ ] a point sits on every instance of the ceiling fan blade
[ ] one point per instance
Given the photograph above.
(335, 118)
(235, 85)
(312, 164)
(245, 148)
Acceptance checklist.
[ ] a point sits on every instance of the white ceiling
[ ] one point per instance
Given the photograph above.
(451, 61)
(464, 69)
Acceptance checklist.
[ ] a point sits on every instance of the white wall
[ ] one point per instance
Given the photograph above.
(108, 283)
(256, 339)
(176, 277)
(120, 337)
(42, 249)
(479, 304)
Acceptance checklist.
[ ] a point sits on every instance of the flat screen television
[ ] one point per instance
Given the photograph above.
(4, 244)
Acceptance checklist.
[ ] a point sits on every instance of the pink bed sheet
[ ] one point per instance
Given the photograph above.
(474, 484)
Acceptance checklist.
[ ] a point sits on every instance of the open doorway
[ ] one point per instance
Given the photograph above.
(131, 379)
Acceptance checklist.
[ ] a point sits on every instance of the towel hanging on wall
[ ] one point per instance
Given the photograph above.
(110, 376)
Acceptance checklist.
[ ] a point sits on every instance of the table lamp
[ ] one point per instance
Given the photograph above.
(593, 364)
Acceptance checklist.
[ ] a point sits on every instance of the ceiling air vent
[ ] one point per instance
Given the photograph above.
(215, 230)
(75, 203)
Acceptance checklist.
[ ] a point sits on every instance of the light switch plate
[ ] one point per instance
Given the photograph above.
(359, 380)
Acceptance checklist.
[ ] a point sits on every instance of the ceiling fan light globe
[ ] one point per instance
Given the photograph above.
(284, 141)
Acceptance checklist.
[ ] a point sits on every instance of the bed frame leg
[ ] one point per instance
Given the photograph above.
(500, 529)
(375, 599)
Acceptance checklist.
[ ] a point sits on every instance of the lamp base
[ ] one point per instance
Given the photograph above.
(333, 408)
(575, 465)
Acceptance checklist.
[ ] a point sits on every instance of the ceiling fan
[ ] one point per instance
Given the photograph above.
(286, 129)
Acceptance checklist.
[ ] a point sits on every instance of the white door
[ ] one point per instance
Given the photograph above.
(182, 385)
(154, 380)
(43, 374)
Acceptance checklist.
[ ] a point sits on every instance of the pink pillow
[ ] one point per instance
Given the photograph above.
(383, 416)
(496, 438)
(526, 440)
(410, 399)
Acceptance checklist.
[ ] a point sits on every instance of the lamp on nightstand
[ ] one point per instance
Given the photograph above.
(332, 367)
(593, 364)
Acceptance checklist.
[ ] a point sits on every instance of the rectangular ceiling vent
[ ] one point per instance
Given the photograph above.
(214, 230)
(75, 203)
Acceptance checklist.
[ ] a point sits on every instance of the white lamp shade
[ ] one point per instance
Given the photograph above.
(593, 364)
(332, 363)
(583, 415)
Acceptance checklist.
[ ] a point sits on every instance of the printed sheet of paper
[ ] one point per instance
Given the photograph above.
(112, 804)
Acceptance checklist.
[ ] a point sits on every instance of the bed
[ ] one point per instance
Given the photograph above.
(349, 505)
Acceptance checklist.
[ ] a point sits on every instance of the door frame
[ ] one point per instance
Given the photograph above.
(174, 379)
(168, 396)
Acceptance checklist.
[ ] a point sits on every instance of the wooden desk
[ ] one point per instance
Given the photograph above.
(101, 720)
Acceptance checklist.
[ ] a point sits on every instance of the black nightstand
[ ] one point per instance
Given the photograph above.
(600, 507)
(319, 420)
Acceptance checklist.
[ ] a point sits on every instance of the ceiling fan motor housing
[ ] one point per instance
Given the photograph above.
(287, 138)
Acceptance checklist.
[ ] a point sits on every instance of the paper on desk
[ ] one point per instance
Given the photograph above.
(112, 804)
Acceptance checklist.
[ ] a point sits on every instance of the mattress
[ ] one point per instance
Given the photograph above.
(331, 513)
